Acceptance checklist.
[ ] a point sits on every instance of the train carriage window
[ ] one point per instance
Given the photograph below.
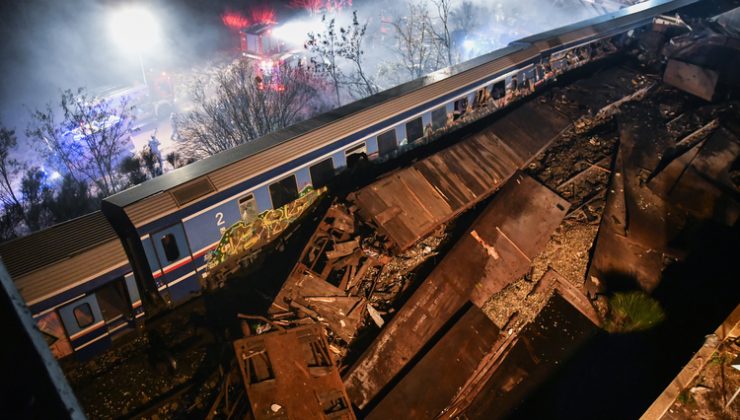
(480, 98)
(169, 244)
(360, 149)
(514, 83)
(248, 208)
(461, 105)
(283, 191)
(83, 315)
(322, 172)
(355, 154)
(499, 90)
(414, 130)
(387, 142)
(439, 117)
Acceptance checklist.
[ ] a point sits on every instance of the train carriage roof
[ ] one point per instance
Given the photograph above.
(56, 258)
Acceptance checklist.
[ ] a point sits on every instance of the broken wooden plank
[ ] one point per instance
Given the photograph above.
(517, 224)
(343, 249)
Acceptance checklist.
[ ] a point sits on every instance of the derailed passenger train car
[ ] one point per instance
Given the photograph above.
(76, 279)
(161, 231)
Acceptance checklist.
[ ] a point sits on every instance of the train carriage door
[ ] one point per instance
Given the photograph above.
(176, 260)
(115, 304)
(83, 320)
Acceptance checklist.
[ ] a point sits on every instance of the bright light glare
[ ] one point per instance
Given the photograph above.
(55, 175)
(295, 32)
(133, 28)
(468, 44)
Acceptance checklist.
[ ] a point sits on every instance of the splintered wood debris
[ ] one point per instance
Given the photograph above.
(346, 278)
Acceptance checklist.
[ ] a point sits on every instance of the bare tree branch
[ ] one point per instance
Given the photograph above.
(246, 104)
(90, 139)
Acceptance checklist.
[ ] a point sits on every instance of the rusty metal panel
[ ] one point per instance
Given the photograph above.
(697, 180)
(411, 203)
(557, 331)
(496, 250)
(291, 375)
(526, 138)
(696, 80)
(427, 389)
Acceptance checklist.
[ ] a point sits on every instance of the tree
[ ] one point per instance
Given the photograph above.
(413, 41)
(467, 16)
(36, 196)
(325, 46)
(359, 83)
(90, 139)
(442, 39)
(245, 104)
(9, 167)
(73, 199)
(131, 168)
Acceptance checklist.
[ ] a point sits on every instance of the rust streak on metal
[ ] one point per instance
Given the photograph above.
(524, 254)
(491, 250)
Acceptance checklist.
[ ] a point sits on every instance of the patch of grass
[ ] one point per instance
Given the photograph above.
(633, 311)
(719, 358)
(685, 397)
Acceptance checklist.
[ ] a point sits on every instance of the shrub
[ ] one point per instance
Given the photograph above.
(633, 311)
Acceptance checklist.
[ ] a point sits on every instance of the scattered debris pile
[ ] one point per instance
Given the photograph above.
(706, 58)
(344, 275)
(666, 181)
(328, 282)
(495, 251)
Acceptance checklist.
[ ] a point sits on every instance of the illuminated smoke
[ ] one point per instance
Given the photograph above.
(263, 14)
(234, 20)
(318, 6)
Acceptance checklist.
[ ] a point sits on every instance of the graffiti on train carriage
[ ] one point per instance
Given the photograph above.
(250, 234)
